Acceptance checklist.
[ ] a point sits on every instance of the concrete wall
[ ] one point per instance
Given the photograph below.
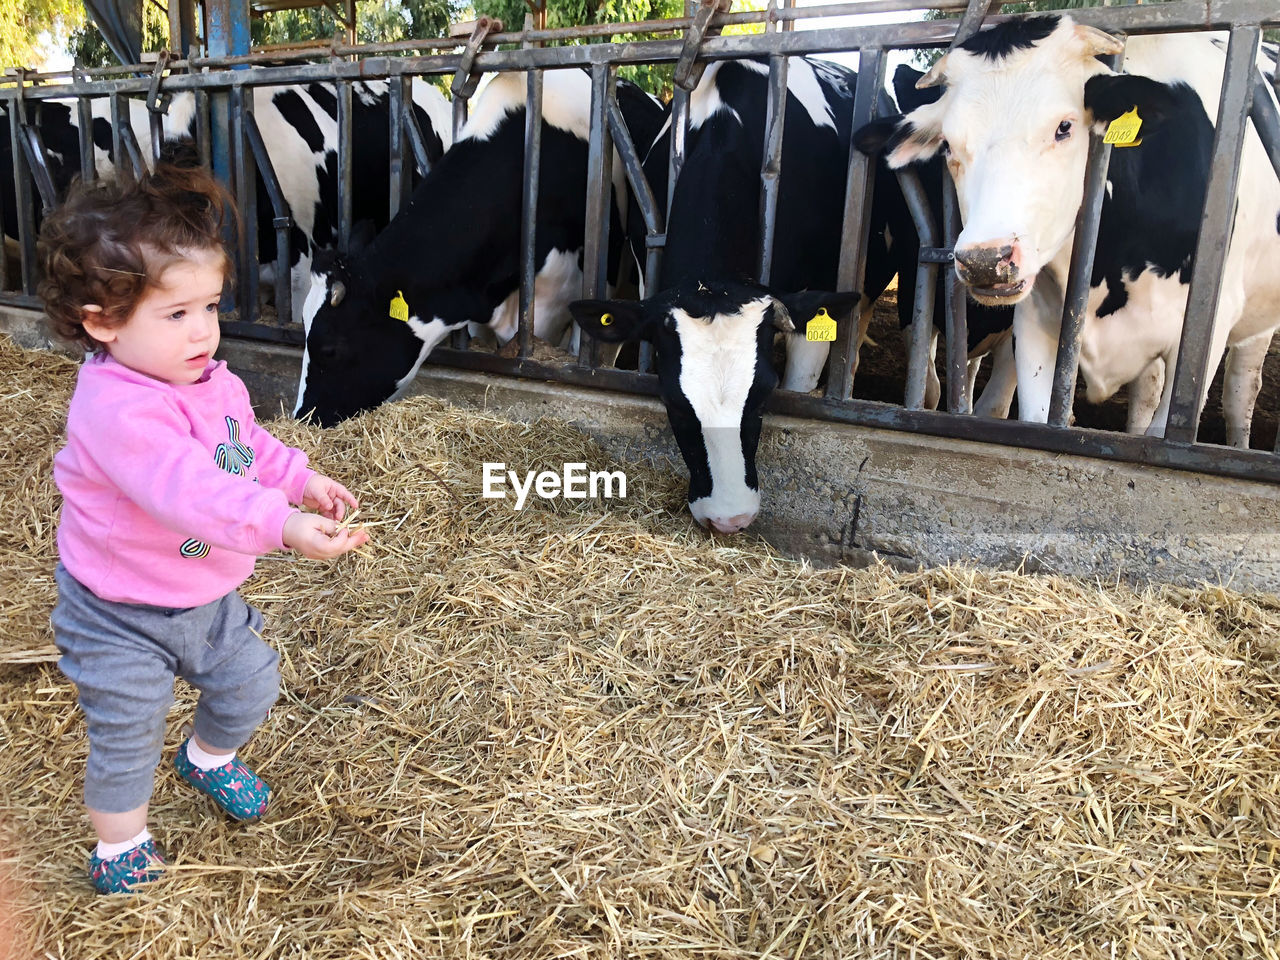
(839, 493)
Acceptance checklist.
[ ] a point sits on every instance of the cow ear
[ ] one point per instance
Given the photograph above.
(903, 140)
(1108, 96)
(613, 321)
(908, 93)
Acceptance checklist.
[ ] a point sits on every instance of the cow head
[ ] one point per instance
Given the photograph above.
(1013, 125)
(713, 345)
(366, 338)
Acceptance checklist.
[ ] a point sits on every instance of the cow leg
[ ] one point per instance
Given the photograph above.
(932, 386)
(1241, 382)
(805, 360)
(1229, 307)
(1145, 391)
(1035, 354)
(997, 396)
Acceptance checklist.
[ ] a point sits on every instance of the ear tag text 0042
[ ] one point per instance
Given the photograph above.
(821, 328)
(1123, 130)
(399, 307)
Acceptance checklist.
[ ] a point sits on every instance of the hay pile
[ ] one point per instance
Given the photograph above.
(589, 731)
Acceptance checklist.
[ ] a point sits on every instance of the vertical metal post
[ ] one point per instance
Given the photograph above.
(23, 202)
(957, 309)
(156, 122)
(182, 27)
(678, 138)
(84, 117)
(246, 190)
(771, 167)
(343, 91)
(226, 34)
(400, 101)
(857, 213)
(119, 154)
(595, 256)
(529, 204)
(1192, 372)
(1080, 276)
(926, 290)
(204, 135)
(459, 115)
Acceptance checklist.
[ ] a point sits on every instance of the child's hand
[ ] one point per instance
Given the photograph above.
(328, 497)
(318, 538)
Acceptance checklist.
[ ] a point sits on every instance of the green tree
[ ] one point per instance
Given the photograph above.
(89, 48)
(22, 22)
(377, 21)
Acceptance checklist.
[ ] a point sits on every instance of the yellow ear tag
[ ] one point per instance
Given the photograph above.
(606, 319)
(1123, 130)
(821, 328)
(399, 307)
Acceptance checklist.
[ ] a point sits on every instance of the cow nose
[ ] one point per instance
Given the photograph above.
(991, 264)
(733, 524)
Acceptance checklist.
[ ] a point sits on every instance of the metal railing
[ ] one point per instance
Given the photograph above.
(246, 156)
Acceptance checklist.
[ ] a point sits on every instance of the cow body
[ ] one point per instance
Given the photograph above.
(299, 127)
(453, 254)
(1013, 123)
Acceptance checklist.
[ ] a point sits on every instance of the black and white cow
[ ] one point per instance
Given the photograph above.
(452, 256)
(1013, 122)
(713, 349)
(299, 127)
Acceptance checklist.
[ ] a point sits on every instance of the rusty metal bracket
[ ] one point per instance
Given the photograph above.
(158, 102)
(688, 70)
(467, 78)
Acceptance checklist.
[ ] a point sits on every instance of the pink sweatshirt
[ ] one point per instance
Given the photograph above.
(169, 492)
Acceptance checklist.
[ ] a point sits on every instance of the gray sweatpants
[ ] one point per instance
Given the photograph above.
(123, 657)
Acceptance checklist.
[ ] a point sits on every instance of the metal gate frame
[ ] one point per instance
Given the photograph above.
(1244, 20)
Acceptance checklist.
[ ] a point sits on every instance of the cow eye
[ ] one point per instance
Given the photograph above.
(1064, 130)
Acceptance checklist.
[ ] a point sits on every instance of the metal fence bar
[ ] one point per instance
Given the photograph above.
(1194, 354)
(23, 201)
(343, 91)
(956, 305)
(133, 152)
(529, 208)
(595, 254)
(417, 143)
(282, 219)
(204, 136)
(400, 182)
(38, 163)
(246, 190)
(771, 166)
(1079, 278)
(926, 290)
(117, 135)
(84, 134)
(852, 265)
(1075, 305)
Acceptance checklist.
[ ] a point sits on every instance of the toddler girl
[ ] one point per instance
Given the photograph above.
(170, 490)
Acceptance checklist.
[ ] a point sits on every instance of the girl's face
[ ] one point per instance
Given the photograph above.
(173, 331)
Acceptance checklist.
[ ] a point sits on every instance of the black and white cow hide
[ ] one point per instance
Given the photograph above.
(1012, 124)
(452, 256)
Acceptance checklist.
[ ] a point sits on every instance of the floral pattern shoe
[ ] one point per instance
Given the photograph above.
(126, 871)
(233, 786)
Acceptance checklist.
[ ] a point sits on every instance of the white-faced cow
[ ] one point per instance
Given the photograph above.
(1013, 123)
(452, 256)
(299, 127)
(713, 232)
(713, 347)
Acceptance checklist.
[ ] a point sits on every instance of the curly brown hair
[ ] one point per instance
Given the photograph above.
(113, 239)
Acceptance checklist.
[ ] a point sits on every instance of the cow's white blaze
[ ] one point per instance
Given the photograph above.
(717, 368)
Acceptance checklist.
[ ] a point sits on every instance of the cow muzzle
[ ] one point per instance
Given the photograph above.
(992, 271)
(733, 524)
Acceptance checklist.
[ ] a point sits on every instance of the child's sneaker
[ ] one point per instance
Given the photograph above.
(233, 786)
(126, 871)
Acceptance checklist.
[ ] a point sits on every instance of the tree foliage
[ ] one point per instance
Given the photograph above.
(22, 23)
(377, 21)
